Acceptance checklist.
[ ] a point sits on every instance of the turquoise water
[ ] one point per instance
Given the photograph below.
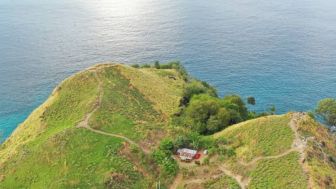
(281, 52)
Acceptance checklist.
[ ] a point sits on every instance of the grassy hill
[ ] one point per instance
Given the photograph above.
(279, 151)
(49, 150)
(105, 127)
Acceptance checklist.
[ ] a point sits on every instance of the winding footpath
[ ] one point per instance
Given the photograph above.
(85, 122)
(299, 145)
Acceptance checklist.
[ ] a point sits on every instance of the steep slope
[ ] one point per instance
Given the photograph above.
(101, 128)
(95, 130)
(286, 151)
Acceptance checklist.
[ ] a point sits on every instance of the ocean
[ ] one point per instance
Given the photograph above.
(281, 52)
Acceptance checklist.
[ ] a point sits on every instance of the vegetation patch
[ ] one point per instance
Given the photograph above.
(123, 110)
(75, 158)
(224, 182)
(162, 87)
(264, 136)
(284, 172)
(320, 153)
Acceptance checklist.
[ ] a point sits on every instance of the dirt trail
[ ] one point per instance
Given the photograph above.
(255, 160)
(85, 122)
(243, 182)
(300, 144)
(177, 181)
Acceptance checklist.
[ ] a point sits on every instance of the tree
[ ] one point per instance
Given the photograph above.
(236, 103)
(251, 100)
(219, 121)
(157, 64)
(326, 108)
(194, 88)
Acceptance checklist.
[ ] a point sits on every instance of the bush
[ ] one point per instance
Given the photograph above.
(194, 88)
(271, 110)
(206, 161)
(166, 162)
(135, 65)
(157, 65)
(251, 100)
(311, 115)
(326, 109)
(145, 66)
(166, 145)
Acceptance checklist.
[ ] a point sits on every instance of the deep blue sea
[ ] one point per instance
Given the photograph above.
(281, 52)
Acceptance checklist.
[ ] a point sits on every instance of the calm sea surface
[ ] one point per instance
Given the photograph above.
(281, 52)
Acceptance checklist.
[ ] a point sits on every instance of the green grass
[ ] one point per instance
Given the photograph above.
(75, 158)
(124, 110)
(224, 182)
(48, 151)
(319, 153)
(285, 172)
(158, 86)
(66, 106)
(260, 137)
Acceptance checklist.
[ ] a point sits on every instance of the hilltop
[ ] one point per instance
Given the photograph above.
(116, 126)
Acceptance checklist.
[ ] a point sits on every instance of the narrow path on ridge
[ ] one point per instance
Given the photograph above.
(299, 145)
(85, 122)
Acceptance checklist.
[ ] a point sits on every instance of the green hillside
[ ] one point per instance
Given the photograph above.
(79, 138)
(286, 151)
(116, 126)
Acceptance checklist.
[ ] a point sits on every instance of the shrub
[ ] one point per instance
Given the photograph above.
(145, 66)
(194, 88)
(167, 145)
(311, 114)
(271, 110)
(166, 162)
(135, 65)
(206, 161)
(157, 65)
(251, 100)
(326, 109)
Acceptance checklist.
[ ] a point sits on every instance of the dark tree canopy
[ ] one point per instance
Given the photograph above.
(196, 87)
(206, 114)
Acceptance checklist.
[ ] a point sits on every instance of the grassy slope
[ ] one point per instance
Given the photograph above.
(47, 151)
(319, 153)
(222, 182)
(284, 172)
(260, 137)
(165, 97)
(266, 136)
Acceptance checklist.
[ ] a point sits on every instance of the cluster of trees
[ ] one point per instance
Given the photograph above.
(196, 87)
(206, 114)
